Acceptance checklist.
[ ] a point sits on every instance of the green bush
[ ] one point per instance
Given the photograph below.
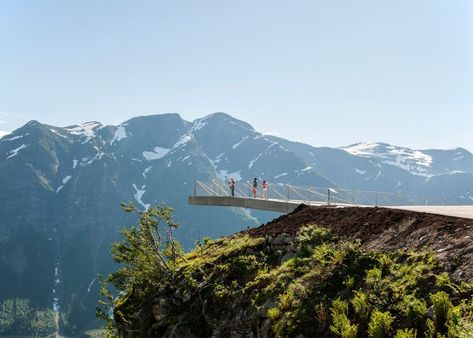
(361, 306)
(341, 325)
(442, 306)
(312, 236)
(273, 313)
(380, 324)
(349, 283)
(406, 333)
(373, 276)
(414, 309)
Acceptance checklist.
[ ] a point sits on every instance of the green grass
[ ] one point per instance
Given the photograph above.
(328, 286)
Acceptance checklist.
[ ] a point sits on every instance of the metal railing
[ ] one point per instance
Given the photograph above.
(307, 195)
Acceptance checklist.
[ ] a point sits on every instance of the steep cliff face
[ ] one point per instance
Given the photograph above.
(319, 272)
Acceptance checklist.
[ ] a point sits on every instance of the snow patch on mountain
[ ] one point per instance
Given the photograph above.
(15, 151)
(378, 175)
(90, 284)
(85, 129)
(280, 175)
(156, 154)
(57, 133)
(182, 141)
(413, 161)
(237, 144)
(57, 281)
(361, 172)
(455, 172)
(224, 175)
(249, 216)
(14, 138)
(64, 181)
(145, 172)
(199, 124)
(138, 195)
(252, 162)
(4, 133)
(85, 161)
(120, 133)
(216, 161)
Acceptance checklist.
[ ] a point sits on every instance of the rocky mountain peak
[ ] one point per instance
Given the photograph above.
(220, 121)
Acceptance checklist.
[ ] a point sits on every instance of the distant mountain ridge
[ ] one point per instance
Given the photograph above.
(428, 176)
(62, 187)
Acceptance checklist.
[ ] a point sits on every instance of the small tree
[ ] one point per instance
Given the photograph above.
(148, 255)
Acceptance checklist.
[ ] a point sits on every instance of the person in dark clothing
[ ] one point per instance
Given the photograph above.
(231, 183)
(255, 187)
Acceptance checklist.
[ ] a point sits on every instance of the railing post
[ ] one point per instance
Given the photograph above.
(376, 199)
(328, 196)
(195, 188)
(287, 186)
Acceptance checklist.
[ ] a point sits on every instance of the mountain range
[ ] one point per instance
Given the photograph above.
(62, 188)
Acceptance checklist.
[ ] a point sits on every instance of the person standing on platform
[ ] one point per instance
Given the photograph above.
(231, 183)
(255, 187)
(265, 190)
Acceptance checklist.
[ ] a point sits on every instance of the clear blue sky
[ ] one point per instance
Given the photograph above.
(328, 73)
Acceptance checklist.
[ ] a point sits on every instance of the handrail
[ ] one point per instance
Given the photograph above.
(297, 194)
(308, 195)
(270, 186)
(203, 186)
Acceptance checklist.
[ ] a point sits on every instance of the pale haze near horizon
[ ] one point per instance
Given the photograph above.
(327, 73)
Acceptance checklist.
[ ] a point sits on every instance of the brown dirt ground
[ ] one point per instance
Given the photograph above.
(381, 229)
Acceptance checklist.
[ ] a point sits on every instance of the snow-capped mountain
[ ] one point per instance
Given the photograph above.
(413, 161)
(426, 163)
(236, 150)
(426, 176)
(62, 187)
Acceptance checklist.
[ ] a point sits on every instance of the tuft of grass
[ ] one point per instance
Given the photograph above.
(442, 307)
(341, 325)
(380, 324)
(406, 333)
(273, 313)
(361, 306)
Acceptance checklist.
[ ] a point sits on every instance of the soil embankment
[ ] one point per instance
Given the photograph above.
(381, 229)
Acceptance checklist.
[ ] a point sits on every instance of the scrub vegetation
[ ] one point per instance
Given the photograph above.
(307, 284)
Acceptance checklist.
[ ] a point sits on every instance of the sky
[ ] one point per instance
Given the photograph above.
(327, 73)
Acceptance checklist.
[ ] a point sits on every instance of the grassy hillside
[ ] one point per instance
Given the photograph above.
(304, 282)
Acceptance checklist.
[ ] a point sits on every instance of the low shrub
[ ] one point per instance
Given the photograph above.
(380, 324)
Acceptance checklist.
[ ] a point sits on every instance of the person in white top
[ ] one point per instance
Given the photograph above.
(265, 190)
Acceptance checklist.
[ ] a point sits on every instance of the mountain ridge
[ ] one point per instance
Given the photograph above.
(63, 187)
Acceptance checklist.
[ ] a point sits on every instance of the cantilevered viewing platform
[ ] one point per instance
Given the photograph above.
(285, 198)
